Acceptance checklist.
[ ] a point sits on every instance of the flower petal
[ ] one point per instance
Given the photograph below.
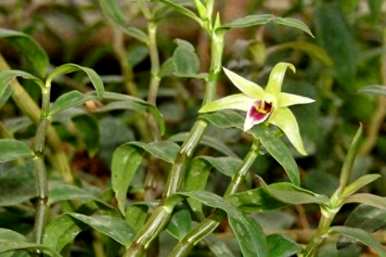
(286, 99)
(246, 86)
(254, 117)
(286, 121)
(276, 77)
(237, 101)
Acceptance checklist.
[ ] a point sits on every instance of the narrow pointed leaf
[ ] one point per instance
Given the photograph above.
(362, 236)
(218, 248)
(124, 165)
(195, 180)
(286, 121)
(359, 183)
(293, 23)
(279, 151)
(280, 246)
(7, 76)
(113, 227)
(286, 99)
(17, 184)
(289, 193)
(180, 224)
(34, 54)
(368, 199)
(182, 10)
(113, 11)
(164, 150)
(367, 217)
(249, 21)
(350, 158)
(69, 100)
(60, 232)
(226, 165)
(373, 90)
(248, 87)
(276, 77)
(248, 233)
(250, 237)
(95, 80)
(11, 149)
(235, 102)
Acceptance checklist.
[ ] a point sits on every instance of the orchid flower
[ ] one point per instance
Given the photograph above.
(264, 105)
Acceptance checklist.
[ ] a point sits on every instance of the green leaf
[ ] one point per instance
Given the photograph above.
(248, 233)
(279, 151)
(349, 162)
(70, 99)
(60, 232)
(17, 184)
(369, 199)
(180, 224)
(218, 248)
(95, 80)
(255, 200)
(182, 10)
(12, 149)
(359, 183)
(224, 119)
(333, 32)
(7, 76)
(262, 19)
(60, 191)
(367, 217)
(207, 141)
(113, 227)
(134, 103)
(184, 63)
(250, 237)
(289, 193)
(280, 246)
(373, 90)
(33, 53)
(362, 236)
(126, 161)
(226, 165)
(136, 216)
(195, 180)
(164, 150)
(12, 241)
(113, 11)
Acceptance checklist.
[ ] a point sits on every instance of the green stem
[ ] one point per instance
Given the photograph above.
(320, 234)
(153, 227)
(160, 217)
(155, 63)
(41, 173)
(27, 105)
(208, 225)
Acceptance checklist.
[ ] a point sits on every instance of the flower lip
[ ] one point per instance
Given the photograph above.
(258, 113)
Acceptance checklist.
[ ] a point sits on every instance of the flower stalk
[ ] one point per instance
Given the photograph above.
(208, 225)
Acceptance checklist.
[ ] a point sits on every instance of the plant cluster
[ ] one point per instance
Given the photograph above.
(189, 186)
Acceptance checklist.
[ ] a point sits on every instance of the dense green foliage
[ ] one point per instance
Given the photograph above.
(182, 128)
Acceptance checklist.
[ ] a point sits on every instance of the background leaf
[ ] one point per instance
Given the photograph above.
(126, 161)
(12, 149)
(34, 54)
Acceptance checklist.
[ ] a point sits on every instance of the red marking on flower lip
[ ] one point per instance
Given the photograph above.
(260, 110)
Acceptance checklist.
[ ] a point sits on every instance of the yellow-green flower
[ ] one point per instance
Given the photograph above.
(264, 105)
